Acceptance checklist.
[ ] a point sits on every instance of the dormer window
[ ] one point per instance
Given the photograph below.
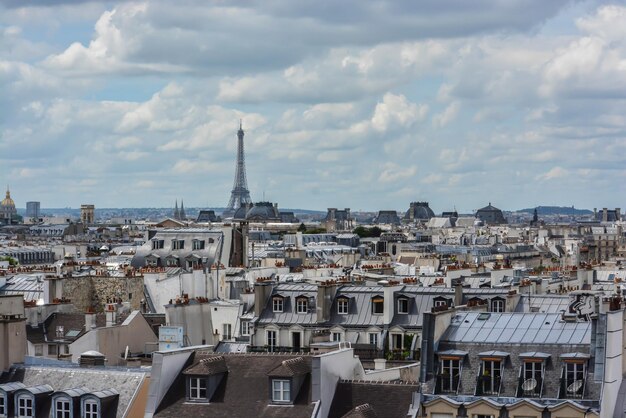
(281, 390)
(62, 408)
(497, 305)
(342, 305)
(91, 409)
(3, 406)
(197, 244)
(378, 305)
(197, 389)
(25, 406)
(59, 331)
(302, 305)
(403, 306)
(277, 304)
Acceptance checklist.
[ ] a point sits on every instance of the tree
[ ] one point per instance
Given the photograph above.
(302, 227)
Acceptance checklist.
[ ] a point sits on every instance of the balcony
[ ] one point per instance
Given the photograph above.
(447, 384)
(488, 385)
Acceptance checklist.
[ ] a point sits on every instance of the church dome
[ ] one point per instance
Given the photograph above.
(263, 211)
(8, 202)
(420, 211)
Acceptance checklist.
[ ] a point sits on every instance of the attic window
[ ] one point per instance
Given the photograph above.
(197, 389)
(157, 244)
(90, 409)
(342, 306)
(277, 304)
(403, 306)
(3, 405)
(25, 406)
(302, 305)
(197, 244)
(62, 408)
(59, 331)
(484, 316)
(378, 305)
(281, 390)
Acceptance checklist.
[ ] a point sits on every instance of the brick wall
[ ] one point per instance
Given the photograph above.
(94, 291)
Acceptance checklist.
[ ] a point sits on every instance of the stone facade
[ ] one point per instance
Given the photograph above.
(96, 291)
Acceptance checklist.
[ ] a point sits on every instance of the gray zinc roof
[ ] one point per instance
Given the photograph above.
(359, 308)
(289, 315)
(520, 328)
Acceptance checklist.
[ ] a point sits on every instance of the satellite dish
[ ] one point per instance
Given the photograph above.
(529, 385)
(575, 386)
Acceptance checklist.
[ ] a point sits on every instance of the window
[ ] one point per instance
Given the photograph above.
(197, 388)
(25, 407)
(442, 302)
(178, 244)
(38, 350)
(271, 340)
(245, 327)
(403, 306)
(377, 305)
(227, 334)
(3, 406)
(342, 306)
(497, 305)
(62, 408)
(491, 374)
(197, 244)
(302, 305)
(281, 390)
(482, 416)
(335, 336)
(533, 375)
(373, 337)
(450, 373)
(52, 350)
(91, 409)
(59, 331)
(574, 378)
(277, 304)
(157, 244)
(397, 341)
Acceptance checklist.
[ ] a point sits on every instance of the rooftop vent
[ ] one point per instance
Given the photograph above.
(91, 359)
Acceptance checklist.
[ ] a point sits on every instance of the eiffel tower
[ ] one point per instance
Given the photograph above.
(240, 195)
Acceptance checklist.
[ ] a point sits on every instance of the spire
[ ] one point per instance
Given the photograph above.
(176, 212)
(181, 214)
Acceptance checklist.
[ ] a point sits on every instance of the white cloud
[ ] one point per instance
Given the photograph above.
(442, 119)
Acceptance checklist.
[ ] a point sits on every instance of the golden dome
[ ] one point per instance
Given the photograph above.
(8, 202)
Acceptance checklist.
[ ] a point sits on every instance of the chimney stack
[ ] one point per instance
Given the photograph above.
(90, 321)
(605, 214)
(325, 294)
(618, 214)
(262, 292)
(111, 314)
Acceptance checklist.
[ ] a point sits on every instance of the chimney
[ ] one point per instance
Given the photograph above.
(111, 314)
(618, 215)
(325, 294)
(595, 214)
(262, 292)
(458, 291)
(605, 214)
(90, 321)
(388, 302)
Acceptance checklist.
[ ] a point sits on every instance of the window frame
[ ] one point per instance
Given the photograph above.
(492, 375)
(28, 399)
(335, 336)
(400, 302)
(284, 388)
(343, 306)
(498, 305)
(373, 336)
(378, 305)
(576, 365)
(3, 405)
(60, 413)
(88, 408)
(451, 365)
(229, 335)
(440, 302)
(278, 304)
(302, 305)
(245, 328)
(197, 244)
(273, 340)
(197, 385)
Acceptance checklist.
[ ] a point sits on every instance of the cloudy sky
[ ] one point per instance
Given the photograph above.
(361, 104)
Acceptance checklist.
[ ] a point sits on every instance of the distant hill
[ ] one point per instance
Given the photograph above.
(557, 210)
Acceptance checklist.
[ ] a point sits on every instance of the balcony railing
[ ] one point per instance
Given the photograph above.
(276, 349)
(447, 383)
(488, 385)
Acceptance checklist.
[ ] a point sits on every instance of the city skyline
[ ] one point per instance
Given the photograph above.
(364, 105)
